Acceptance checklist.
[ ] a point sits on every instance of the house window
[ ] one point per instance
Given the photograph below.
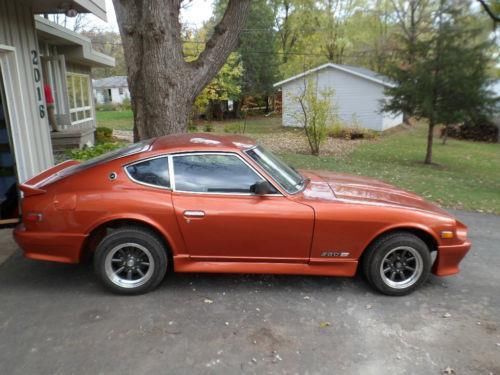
(79, 97)
(120, 90)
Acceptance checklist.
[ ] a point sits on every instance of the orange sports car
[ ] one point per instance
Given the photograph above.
(222, 204)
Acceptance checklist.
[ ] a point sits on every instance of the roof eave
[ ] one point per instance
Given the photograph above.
(78, 47)
(334, 66)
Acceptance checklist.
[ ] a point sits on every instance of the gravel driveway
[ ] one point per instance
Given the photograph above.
(55, 319)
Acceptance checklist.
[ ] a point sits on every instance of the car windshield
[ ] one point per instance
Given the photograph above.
(286, 176)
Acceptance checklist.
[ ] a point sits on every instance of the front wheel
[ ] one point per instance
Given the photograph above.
(397, 264)
(131, 260)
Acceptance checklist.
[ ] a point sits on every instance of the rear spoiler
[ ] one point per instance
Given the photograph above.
(31, 187)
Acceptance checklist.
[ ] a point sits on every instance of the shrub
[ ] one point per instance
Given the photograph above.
(481, 130)
(106, 107)
(234, 129)
(208, 128)
(192, 128)
(316, 114)
(103, 134)
(91, 152)
(351, 133)
(126, 105)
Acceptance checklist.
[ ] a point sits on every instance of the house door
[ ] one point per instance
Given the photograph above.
(9, 194)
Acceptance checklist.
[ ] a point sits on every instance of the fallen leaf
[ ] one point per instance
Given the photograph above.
(448, 371)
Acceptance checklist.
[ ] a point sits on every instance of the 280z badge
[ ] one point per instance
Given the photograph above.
(335, 254)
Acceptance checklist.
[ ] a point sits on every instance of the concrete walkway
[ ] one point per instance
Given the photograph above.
(7, 244)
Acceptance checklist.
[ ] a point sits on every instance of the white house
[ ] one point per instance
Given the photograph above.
(111, 90)
(358, 93)
(35, 52)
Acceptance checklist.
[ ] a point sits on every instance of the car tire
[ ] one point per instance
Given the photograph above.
(396, 264)
(131, 260)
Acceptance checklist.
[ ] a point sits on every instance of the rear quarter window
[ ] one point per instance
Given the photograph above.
(152, 172)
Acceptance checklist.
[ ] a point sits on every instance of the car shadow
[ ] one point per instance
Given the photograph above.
(18, 273)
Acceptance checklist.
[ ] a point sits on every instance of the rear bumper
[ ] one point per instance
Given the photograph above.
(449, 257)
(50, 246)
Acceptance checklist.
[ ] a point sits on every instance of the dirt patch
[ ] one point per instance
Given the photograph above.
(297, 143)
(284, 142)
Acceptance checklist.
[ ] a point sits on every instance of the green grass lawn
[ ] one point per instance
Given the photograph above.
(119, 120)
(466, 174)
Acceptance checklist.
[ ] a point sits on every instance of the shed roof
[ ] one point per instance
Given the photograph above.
(110, 82)
(358, 71)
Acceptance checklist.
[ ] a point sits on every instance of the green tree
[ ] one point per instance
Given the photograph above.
(258, 51)
(226, 85)
(446, 80)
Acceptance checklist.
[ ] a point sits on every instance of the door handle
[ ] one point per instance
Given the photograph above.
(194, 214)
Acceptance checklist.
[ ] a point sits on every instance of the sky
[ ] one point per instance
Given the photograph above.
(194, 13)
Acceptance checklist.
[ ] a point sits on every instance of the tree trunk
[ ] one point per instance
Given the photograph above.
(430, 138)
(406, 118)
(444, 134)
(163, 86)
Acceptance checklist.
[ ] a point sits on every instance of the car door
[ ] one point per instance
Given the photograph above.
(220, 219)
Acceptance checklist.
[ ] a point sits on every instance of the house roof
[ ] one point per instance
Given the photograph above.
(110, 82)
(358, 71)
(97, 7)
(74, 46)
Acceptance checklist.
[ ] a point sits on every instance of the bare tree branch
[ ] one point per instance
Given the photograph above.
(224, 39)
(486, 7)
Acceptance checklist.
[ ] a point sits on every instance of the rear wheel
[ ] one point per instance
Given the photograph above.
(131, 260)
(397, 264)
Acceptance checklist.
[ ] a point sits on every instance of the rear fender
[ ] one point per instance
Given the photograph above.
(175, 247)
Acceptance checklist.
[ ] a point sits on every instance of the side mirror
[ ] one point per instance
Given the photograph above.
(262, 188)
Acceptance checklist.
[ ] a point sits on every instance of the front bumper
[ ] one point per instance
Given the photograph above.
(449, 257)
(50, 246)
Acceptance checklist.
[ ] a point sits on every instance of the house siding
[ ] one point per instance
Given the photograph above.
(355, 99)
(29, 131)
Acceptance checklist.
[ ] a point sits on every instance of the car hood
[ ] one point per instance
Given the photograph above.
(362, 190)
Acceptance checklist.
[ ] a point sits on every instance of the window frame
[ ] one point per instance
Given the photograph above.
(79, 109)
(165, 156)
(277, 182)
(172, 175)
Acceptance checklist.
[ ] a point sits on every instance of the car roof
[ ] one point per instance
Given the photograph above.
(201, 142)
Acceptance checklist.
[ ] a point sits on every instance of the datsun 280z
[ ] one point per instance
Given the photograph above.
(223, 204)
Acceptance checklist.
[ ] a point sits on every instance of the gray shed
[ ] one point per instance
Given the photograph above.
(358, 93)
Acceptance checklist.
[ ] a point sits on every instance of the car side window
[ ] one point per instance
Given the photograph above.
(213, 174)
(151, 172)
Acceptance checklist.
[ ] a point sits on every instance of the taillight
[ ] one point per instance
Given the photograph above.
(33, 217)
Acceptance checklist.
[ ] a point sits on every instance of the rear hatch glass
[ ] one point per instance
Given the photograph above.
(101, 159)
